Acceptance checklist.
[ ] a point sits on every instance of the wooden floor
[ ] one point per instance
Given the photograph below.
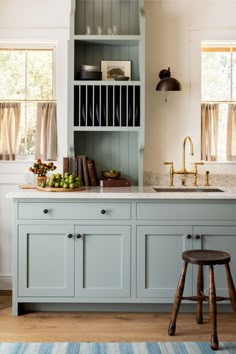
(106, 327)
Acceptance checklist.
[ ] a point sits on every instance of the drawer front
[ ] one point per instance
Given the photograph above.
(52, 211)
(186, 211)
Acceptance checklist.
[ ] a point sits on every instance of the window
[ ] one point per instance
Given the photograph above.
(218, 102)
(27, 78)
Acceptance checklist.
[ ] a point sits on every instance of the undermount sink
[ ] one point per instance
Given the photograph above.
(187, 189)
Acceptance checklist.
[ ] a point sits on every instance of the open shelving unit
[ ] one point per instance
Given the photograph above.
(106, 117)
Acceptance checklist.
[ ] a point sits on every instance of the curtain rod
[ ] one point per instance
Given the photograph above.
(218, 102)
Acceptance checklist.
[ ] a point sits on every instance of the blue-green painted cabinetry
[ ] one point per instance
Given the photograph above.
(102, 261)
(176, 227)
(45, 260)
(125, 251)
(106, 116)
(159, 250)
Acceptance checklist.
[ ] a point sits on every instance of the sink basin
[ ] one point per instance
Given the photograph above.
(187, 189)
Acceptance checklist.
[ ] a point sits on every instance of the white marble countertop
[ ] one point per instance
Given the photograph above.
(144, 192)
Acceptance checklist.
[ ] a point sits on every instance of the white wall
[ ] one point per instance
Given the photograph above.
(173, 32)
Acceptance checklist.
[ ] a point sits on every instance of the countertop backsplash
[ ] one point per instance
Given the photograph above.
(158, 179)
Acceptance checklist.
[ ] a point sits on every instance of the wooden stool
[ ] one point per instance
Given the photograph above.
(201, 258)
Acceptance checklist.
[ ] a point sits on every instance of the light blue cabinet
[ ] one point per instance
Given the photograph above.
(159, 250)
(172, 227)
(102, 261)
(45, 260)
(113, 252)
(217, 238)
(93, 261)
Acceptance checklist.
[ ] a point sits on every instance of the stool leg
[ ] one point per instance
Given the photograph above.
(199, 316)
(231, 287)
(213, 309)
(177, 301)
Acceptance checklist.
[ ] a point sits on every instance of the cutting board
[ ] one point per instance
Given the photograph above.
(52, 189)
(28, 186)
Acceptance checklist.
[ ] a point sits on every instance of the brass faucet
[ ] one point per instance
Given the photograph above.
(184, 170)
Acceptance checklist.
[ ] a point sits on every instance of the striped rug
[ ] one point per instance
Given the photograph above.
(116, 348)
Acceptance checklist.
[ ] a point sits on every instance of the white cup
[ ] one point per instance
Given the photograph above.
(109, 31)
(99, 30)
(88, 29)
(115, 30)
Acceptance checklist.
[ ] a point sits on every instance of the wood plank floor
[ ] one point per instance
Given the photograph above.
(106, 327)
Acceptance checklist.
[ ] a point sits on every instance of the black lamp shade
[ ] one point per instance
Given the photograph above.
(167, 83)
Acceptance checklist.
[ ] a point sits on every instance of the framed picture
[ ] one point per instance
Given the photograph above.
(120, 70)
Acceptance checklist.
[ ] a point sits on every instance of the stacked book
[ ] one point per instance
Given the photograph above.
(83, 167)
(86, 169)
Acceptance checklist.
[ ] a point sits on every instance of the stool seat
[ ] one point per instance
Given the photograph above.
(206, 257)
(202, 258)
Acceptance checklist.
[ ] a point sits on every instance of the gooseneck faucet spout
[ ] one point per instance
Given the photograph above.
(183, 169)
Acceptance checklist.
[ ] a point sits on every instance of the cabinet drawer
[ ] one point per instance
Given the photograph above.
(96, 211)
(186, 211)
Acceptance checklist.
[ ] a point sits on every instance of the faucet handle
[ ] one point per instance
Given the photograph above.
(198, 163)
(171, 171)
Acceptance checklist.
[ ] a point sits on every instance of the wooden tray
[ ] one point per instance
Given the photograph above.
(52, 189)
(27, 186)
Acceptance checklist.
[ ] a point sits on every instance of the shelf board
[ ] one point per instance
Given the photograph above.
(104, 129)
(109, 40)
(106, 83)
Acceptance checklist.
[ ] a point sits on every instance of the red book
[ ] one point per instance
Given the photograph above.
(92, 173)
(115, 182)
(66, 163)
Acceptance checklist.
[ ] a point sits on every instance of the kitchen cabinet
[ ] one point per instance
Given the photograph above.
(102, 261)
(92, 249)
(106, 117)
(71, 252)
(159, 250)
(153, 282)
(178, 231)
(45, 260)
(217, 238)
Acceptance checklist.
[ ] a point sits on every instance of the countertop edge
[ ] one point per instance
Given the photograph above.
(137, 193)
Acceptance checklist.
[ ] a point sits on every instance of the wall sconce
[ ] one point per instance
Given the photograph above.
(167, 83)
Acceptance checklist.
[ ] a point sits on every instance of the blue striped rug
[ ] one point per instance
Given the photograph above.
(116, 348)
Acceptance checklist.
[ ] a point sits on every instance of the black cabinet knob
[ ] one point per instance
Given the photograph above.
(45, 211)
(189, 237)
(103, 211)
(78, 236)
(70, 236)
(198, 237)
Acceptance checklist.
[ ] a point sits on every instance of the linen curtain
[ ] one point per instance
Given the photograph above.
(209, 131)
(9, 129)
(46, 131)
(231, 133)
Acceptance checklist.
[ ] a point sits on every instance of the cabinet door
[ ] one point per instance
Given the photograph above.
(159, 260)
(45, 260)
(102, 261)
(222, 238)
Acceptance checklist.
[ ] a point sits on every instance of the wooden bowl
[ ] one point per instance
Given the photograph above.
(111, 174)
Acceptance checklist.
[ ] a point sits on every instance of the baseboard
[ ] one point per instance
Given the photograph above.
(5, 282)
